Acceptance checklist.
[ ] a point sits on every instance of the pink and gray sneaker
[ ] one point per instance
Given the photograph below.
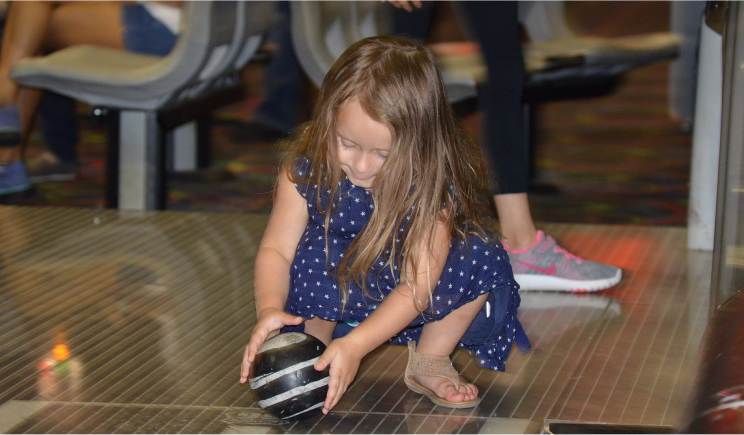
(547, 266)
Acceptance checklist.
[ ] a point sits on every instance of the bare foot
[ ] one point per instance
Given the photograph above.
(445, 389)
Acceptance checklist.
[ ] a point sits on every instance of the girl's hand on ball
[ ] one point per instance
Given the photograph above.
(270, 321)
(344, 358)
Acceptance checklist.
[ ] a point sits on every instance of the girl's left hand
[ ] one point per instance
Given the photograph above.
(344, 358)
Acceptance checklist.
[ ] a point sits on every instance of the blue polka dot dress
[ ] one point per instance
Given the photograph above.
(468, 273)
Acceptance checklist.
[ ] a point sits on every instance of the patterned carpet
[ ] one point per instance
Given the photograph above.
(615, 159)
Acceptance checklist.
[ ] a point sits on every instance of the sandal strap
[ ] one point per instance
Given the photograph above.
(430, 365)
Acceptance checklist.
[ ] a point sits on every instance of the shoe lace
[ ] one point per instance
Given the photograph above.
(569, 255)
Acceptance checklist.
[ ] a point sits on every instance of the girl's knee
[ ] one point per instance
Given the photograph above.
(321, 329)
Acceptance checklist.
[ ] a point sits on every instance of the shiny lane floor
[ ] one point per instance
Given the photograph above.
(116, 322)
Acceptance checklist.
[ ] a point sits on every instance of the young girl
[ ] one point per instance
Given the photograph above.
(375, 235)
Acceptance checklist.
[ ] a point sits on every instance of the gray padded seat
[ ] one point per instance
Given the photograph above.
(556, 54)
(217, 39)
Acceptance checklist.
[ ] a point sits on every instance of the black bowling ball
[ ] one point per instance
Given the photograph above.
(283, 378)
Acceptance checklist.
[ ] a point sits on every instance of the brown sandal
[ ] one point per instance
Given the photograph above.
(430, 365)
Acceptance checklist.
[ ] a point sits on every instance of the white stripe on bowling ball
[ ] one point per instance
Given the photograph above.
(260, 381)
(292, 393)
(316, 406)
(282, 340)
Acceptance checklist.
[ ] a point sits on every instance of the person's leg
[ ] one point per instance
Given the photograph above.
(538, 262)
(278, 108)
(67, 24)
(23, 36)
(74, 23)
(321, 329)
(495, 25)
(58, 121)
(35, 27)
(515, 219)
(414, 24)
(142, 34)
(32, 28)
(145, 34)
(277, 113)
(440, 339)
(59, 126)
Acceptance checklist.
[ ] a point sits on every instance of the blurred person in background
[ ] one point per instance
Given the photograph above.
(36, 28)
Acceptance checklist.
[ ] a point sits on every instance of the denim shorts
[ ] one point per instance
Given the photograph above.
(144, 34)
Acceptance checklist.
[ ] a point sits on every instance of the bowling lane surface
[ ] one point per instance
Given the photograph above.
(122, 322)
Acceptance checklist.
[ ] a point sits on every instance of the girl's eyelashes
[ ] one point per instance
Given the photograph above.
(343, 143)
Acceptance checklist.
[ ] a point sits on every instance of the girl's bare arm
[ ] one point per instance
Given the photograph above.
(277, 249)
(275, 254)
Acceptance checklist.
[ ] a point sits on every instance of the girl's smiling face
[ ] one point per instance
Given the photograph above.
(363, 144)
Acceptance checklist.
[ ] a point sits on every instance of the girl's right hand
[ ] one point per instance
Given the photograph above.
(270, 321)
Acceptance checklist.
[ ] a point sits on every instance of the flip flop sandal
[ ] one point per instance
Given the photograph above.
(430, 365)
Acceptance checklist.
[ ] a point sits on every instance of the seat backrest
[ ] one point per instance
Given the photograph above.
(322, 31)
(319, 35)
(218, 39)
(207, 30)
(247, 34)
(544, 20)
(258, 18)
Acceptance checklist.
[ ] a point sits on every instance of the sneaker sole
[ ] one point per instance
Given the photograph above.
(529, 282)
(51, 177)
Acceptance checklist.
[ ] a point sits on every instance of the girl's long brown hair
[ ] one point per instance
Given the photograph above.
(432, 174)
